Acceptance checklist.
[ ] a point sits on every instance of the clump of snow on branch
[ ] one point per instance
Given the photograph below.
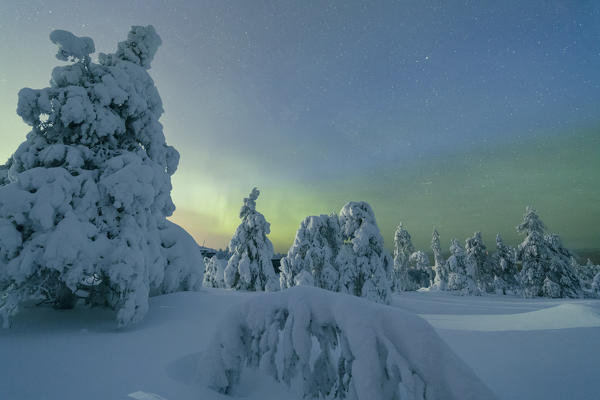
(336, 347)
(84, 200)
(250, 266)
(71, 47)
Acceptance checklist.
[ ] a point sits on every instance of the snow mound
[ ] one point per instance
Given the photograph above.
(563, 316)
(341, 346)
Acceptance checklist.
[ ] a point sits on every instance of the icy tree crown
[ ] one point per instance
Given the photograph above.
(249, 205)
(531, 222)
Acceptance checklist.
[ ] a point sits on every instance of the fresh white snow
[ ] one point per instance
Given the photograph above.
(80, 354)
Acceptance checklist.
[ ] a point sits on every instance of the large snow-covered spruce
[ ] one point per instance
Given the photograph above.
(546, 268)
(336, 347)
(84, 200)
(342, 253)
(250, 266)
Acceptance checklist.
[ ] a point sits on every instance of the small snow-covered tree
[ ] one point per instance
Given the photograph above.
(483, 268)
(314, 250)
(596, 285)
(461, 270)
(437, 257)
(505, 268)
(84, 200)
(214, 275)
(250, 266)
(403, 248)
(363, 272)
(586, 275)
(420, 271)
(544, 261)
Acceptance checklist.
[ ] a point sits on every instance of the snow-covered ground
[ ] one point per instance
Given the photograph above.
(520, 348)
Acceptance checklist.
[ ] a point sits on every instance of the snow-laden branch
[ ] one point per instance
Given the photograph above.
(341, 346)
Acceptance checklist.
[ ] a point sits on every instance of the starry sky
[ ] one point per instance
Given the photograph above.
(438, 113)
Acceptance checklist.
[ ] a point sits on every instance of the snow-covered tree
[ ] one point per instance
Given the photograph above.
(341, 253)
(545, 263)
(586, 275)
(440, 281)
(250, 266)
(361, 264)
(214, 274)
(461, 270)
(314, 250)
(420, 271)
(403, 248)
(437, 253)
(84, 200)
(596, 285)
(483, 268)
(505, 268)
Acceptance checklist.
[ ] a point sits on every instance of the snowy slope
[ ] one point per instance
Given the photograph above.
(521, 348)
(551, 351)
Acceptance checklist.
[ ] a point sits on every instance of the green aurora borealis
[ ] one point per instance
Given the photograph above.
(438, 114)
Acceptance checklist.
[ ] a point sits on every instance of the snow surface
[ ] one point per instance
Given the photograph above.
(79, 354)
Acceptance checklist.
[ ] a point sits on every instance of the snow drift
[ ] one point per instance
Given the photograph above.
(341, 346)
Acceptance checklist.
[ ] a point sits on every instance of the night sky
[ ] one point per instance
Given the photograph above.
(453, 114)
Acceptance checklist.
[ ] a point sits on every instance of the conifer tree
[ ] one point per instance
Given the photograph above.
(403, 248)
(546, 267)
(505, 268)
(84, 200)
(250, 266)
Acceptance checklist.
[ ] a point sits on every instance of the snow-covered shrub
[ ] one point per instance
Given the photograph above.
(214, 275)
(314, 250)
(250, 266)
(586, 275)
(505, 268)
(550, 289)
(336, 347)
(304, 278)
(85, 197)
(361, 263)
(342, 253)
(461, 270)
(477, 256)
(543, 257)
